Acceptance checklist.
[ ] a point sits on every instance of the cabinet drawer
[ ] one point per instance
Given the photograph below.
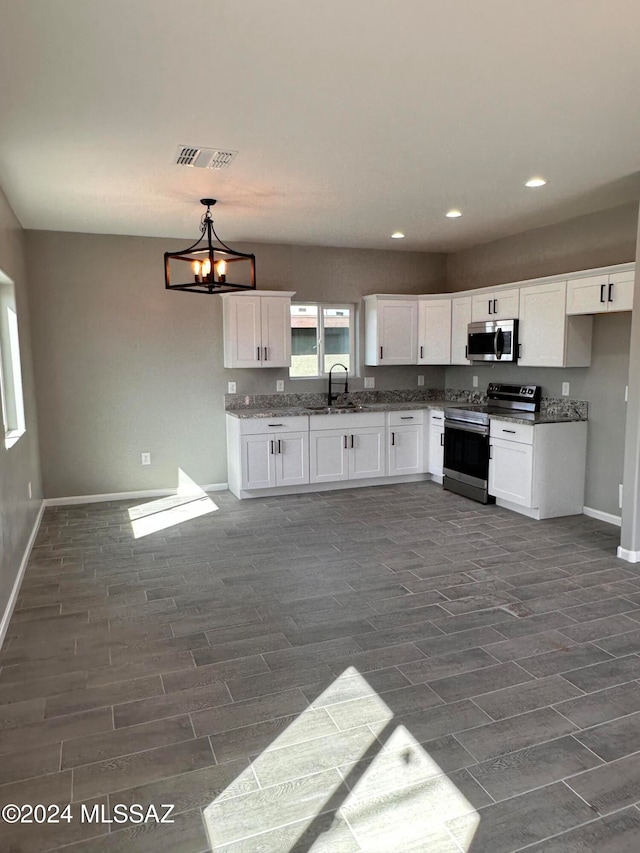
(436, 417)
(406, 418)
(264, 426)
(511, 432)
(347, 421)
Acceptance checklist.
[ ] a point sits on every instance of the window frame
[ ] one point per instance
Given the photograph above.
(321, 307)
(11, 385)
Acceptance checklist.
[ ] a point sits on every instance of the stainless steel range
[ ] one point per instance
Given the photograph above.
(466, 437)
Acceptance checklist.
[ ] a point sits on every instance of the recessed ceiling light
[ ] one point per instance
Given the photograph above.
(397, 235)
(535, 182)
(453, 214)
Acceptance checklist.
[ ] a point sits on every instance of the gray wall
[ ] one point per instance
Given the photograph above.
(124, 366)
(590, 241)
(19, 465)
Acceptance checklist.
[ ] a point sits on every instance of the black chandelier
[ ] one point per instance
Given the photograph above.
(209, 263)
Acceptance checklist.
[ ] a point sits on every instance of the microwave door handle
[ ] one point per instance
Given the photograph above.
(498, 344)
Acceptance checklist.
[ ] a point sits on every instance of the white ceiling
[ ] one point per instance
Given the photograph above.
(352, 118)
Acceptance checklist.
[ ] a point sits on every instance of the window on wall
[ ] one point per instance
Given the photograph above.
(321, 336)
(10, 366)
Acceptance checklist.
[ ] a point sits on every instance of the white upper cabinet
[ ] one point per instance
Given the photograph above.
(391, 329)
(547, 337)
(495, 305)
(598, 294)
(257, 329)
(460, 319)
(434, 331)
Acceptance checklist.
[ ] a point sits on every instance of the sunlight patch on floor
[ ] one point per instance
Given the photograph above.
(325, 788)
(189, 502)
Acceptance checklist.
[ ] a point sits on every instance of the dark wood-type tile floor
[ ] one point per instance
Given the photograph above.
(379, 669)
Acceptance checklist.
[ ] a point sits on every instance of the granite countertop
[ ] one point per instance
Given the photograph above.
(298, 411)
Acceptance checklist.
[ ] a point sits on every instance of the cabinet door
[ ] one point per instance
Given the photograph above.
(328, 455)
(397, 331)
(434, 331)
(542, 329)
(276, 331)
(258, 464)
(292, 459)
(587, 295)
(436, 443)
(366, 453)
(620, 291)
(460, 319)
(243, 332)
(511, 471)
(501, 305)
(405, 450)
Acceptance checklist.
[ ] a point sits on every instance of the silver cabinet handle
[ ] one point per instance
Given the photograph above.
(441, 439)
(393, 439)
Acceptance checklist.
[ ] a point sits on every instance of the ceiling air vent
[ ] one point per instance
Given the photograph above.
(204, 158)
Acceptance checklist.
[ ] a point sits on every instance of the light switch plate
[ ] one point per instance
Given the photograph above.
(231, 387)
(279, 384)
(565, 389)
(421, 379)
(369, 382)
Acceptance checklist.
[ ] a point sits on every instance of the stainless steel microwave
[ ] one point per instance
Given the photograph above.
(494, 340)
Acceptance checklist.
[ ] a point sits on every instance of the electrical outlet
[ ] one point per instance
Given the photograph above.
(369, 382)
(565, 389)
(620, 495)
(421, 379)
(475, 381)
(145, 458)
(231, 387)
(279, 384)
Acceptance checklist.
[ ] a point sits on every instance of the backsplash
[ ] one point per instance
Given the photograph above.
(552, 405)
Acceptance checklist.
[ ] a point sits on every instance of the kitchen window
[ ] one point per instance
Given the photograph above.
(10, 368)
(321, 335)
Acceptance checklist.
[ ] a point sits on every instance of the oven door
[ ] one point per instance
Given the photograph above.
(466, 459)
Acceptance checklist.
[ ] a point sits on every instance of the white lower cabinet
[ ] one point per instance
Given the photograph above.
(538, 470)
(435, 435)
(346, 447)
(264, 453)
(405, 442)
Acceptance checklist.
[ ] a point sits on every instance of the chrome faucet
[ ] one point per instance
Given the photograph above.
(331, 396)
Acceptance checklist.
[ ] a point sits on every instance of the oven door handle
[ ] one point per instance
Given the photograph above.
(498, 343)
(464, 426)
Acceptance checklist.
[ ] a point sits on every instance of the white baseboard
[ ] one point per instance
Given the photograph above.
(6, 618)
(629, 556)
(602, 516)
(126, 496)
